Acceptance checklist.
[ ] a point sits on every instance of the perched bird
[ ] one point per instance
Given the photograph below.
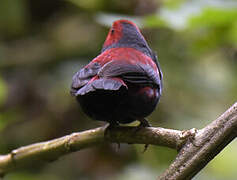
(124, 82)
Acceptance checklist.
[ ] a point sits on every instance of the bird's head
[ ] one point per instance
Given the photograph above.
(124, 33)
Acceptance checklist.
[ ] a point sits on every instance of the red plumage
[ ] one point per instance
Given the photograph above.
(123, 83)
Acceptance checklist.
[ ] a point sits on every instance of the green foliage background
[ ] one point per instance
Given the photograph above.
(43, 43)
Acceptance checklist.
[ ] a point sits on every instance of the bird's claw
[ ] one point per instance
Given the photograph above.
(109, 128)
(143, 124)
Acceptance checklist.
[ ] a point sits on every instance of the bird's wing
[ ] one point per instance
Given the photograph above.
(86, 80)
(155, 59)
(113, 75)
(100, 84)
(138, 73)
(83, 76)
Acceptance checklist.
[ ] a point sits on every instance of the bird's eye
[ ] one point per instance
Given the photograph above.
(112, 31)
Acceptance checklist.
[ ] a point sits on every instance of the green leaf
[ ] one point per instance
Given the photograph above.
(214, 17)
(213, 28)
(154, 21)
(88, 4)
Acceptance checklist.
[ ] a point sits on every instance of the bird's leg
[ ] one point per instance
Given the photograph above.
(143, 123)
(111, 126)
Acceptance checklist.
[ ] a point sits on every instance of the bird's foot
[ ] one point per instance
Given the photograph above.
(145, 148)
(112, 125)
(143, 123)
(109, 128)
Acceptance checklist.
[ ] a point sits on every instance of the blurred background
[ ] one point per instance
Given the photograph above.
(43, 43)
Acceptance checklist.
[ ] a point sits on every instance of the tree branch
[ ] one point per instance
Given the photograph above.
(196, 147)
(202, 148)
(51, 150)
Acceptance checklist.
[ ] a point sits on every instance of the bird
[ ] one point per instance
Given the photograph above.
(124, 82)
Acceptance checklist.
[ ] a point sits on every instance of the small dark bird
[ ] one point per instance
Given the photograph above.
(123, 83)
